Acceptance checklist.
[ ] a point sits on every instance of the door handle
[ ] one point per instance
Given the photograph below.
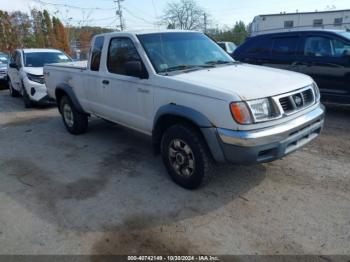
(298, 64)
(105, 82)
(142, 90)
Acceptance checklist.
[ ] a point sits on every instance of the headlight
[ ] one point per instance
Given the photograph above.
(254, 111)
(316, 91)
(262, 109)
(36, 78)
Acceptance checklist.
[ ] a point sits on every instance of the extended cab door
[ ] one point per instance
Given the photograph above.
(325, 59)
(126, 98)
(94, 93)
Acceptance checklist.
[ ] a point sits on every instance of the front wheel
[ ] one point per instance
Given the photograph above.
(13, 92)
(75, 122)
(186, 156)
(28, 103)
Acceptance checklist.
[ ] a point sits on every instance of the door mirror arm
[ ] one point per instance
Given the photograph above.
(346, 54)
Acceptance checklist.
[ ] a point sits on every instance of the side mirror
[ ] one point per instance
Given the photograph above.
(135, 68)
(346, 53)
(13, 65)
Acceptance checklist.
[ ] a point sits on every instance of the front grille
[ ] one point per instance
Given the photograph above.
(297, 101)
(286, 104)
(308, 97)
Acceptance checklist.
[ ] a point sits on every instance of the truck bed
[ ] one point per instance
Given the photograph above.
(64, 73)
(82, 65)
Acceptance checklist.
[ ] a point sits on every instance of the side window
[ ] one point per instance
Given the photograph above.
(285, 46)
(259, 46)
(231, 47)
(325, 47)
(18, 60)
(96, 53)
(13, 57)
(121, 51)
(340, 48)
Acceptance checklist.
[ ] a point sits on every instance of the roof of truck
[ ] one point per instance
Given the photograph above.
(152, 31)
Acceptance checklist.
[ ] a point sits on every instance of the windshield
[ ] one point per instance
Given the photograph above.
(40, 59)
(231, 47)
(3, 59)
(180, 51)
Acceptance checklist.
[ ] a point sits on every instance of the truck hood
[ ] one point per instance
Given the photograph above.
(247, 81)
(39, 71)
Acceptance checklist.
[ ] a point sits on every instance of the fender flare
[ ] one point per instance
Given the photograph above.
(206, 127)
(68, 90)
(182, 111)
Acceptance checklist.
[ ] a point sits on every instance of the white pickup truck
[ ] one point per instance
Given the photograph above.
(199, 106)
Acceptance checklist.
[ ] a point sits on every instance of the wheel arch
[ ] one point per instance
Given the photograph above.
(66, 90)
(172, 114)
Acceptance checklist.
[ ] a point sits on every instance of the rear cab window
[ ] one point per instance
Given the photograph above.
(96, 53)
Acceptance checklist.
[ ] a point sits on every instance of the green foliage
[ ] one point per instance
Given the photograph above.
(237, 34)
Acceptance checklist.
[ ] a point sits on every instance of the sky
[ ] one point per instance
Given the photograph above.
(143, 14)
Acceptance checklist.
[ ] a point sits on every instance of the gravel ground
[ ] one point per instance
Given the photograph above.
(105, 193)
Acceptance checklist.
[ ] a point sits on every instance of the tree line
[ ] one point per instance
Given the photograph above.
(188, 15)
(35, 30)
(39, 29)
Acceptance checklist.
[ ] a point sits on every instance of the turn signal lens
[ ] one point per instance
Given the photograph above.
(317, 92)
(240, 113)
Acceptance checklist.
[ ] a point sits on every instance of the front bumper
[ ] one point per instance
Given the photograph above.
(269, 144)
(47, 100)
(3, 77)
(37, 92)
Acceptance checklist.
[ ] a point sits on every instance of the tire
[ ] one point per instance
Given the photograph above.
(75, 122)
(186, 156)
(13, 92)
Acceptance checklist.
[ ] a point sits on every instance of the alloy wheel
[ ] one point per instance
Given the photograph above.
(181, 158)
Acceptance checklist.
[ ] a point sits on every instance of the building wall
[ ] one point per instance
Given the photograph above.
(276, 23)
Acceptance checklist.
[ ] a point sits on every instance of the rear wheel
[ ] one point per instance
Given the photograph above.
(186, 156)
(75, 122)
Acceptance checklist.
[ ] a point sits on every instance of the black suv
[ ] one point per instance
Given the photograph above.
(322, 54)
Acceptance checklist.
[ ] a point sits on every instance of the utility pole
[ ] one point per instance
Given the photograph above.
(205, 22)
(119, 13)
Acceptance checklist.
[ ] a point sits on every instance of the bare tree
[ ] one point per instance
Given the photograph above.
(184, 14)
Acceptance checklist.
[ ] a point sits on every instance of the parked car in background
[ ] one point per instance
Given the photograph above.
(322, 54)
(229, 47)
(25, 73)
(198, 104)
(3, 66)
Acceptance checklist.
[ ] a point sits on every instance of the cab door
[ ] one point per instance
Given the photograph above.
(128, 99)
(325, 59)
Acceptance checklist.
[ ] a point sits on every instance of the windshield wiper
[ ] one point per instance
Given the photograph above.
(220, 62)
(186, 67)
